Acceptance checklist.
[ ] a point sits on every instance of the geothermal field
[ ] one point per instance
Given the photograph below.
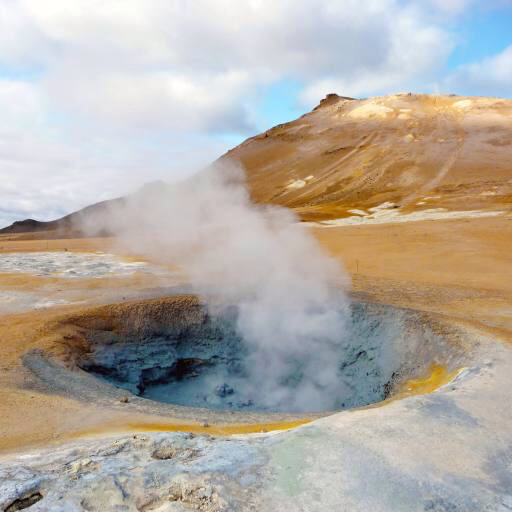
(320, 320)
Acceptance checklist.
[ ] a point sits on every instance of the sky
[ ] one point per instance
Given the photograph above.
(98, 97)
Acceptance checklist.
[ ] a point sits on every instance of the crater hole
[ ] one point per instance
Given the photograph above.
(183, 354)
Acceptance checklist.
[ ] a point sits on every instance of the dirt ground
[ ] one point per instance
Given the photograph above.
(460, 269)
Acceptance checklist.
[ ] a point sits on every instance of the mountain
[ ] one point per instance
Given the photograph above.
(68, 225)
(414, 151)
(450, 151)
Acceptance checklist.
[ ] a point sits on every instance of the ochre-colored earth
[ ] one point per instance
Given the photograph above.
(442, 151)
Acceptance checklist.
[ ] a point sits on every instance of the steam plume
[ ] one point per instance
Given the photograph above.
(288, 290)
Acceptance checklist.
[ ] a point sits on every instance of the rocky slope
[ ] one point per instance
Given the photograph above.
(416, 151)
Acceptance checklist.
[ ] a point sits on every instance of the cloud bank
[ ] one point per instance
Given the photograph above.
(98, 96)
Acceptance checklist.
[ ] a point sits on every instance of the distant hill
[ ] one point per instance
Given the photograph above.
(414, 150)
(69, 225)
(444, 151)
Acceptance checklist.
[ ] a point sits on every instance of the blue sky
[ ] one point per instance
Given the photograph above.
(99, 97)
(482, 33)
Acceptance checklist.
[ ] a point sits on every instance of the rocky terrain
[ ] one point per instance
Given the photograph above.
(413, 152)
(412, 194)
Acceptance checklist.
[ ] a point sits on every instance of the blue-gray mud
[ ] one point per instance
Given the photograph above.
(205, 363)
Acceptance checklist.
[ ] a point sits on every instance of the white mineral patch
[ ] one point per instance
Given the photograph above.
(462, 104)
(369, 110)
(10, 299)
(70, 264)
(358, 212)
(382, 206)
(16, 301)
(392, 216)
(295, 184)
(48, 303)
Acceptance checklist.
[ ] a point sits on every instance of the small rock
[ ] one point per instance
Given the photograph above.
(78, 467)
(224, 390)
(164, 450)
(204, 493)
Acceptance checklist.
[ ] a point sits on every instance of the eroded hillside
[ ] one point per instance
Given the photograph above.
(411, 153)
(417, 151)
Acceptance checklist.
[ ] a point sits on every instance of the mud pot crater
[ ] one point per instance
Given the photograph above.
(174, 357)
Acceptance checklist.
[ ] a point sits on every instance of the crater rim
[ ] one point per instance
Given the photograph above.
(58, 366)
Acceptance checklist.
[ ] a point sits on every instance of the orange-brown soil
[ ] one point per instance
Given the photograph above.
(451, 151)
(456, 268)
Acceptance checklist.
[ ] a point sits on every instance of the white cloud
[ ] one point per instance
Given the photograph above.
(21, 106)
(492, 75)
(20, 40)
(195, 65)
(118, 92)
(50, 168)
(451, 6)
(154, 100)
(409, 51)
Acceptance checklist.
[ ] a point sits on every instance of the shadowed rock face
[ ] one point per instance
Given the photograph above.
(179, 351)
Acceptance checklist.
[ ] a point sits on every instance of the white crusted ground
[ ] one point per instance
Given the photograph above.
(70, 264)
(387, 213)
(449, 451)
(74, 267)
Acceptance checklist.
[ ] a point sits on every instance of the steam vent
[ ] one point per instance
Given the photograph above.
(173, 356)
(319, 321)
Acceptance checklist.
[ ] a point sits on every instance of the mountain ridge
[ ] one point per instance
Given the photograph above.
(404, 149)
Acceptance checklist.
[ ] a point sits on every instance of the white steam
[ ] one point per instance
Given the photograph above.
(292, 310)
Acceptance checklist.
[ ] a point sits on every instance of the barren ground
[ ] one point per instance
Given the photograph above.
(362, 173)
(457, 268)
